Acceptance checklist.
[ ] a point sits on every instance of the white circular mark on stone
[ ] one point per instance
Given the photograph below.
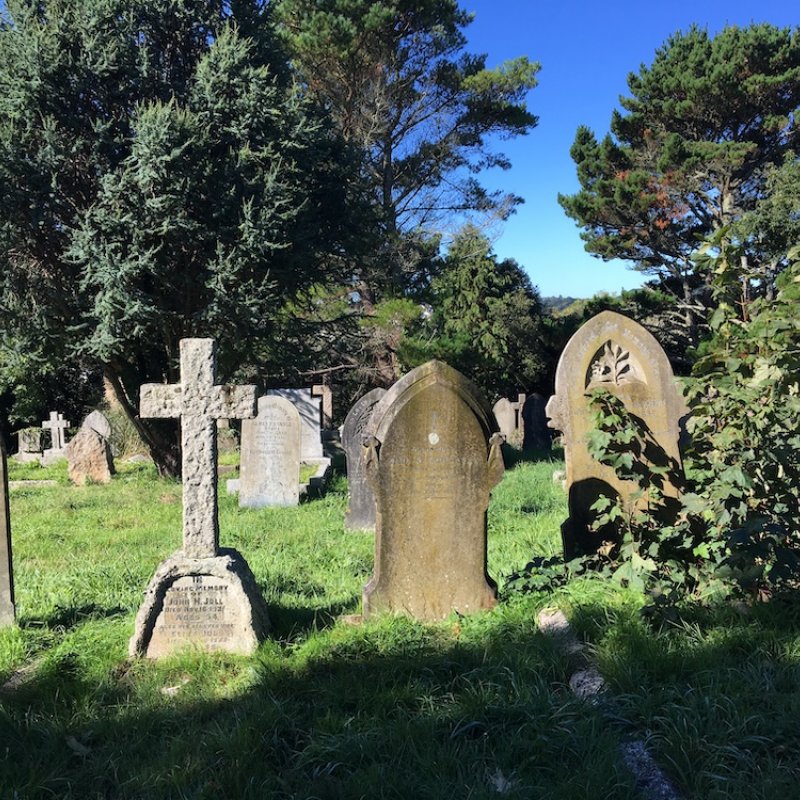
(433, 438)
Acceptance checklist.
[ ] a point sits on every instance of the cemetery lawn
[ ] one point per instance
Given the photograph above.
(475, 707)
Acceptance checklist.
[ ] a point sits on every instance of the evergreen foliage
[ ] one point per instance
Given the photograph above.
(690, 153)
(486, 320)
(396, 79)
(162, 179)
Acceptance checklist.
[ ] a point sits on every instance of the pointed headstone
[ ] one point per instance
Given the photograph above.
(434, 455)
(614, 353)
(360, 514)
(269, 471)
(310, 410)
(6, 566)
(201, 595)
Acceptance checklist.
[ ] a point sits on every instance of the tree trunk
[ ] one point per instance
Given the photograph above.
(162, 437)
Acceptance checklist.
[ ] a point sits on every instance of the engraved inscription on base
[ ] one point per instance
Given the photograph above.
(197, 610)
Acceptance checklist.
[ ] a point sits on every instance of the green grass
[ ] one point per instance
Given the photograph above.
(473, 707)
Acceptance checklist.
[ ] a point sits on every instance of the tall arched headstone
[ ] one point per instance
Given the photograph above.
(434, 455)
(614, 353)
(270, 463)
(360, 514)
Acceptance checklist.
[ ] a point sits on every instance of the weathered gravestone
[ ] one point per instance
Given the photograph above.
(57, 425)
(89, 457)
(310, 410)
(98, 422)
(536, 434)
(200, 595)
(29, 445)
(505, 412)
(614, 353)
(269, 472)
(360, 514)
(433, 456)
(6, 567)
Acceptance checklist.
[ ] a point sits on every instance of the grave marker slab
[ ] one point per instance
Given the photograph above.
(89, 457)
(6, 566)
(269, 472)
(323, 391)
(201, 595)
(29, 445)
(98, 422)
(310, 410)
(360, 514)
(615, 353)
(434, 455)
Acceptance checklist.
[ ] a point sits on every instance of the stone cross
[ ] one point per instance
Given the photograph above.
(199, 403)
(56, 425)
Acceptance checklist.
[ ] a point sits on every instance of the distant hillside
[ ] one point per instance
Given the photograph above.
(558, 303)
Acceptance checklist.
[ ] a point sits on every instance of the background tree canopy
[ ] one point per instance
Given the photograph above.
(702, 130)
(162, 178)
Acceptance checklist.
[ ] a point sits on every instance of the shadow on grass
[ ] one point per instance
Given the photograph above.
(292, 622)
(68, 618)
(513, 456)
(395, 709)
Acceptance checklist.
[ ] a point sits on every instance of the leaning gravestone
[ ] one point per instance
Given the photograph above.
(29, 445)
(310, 410)
(200, 595)
(98, 422)
(360, 514)
(89, 457)
(614, 353)
(57, 425)
(269, 471)
(6, 567)
(433, 456)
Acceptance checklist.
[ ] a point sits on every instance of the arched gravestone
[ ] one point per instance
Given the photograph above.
(360, 514)
(433, 456)
(614, 353)
(270, 461)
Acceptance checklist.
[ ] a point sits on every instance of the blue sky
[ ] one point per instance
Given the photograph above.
(586, 51)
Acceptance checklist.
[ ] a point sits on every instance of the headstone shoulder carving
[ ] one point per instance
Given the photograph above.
(270, 455)
(6, 566)
(360, 514)
(433, 456)
(614, 353)
(200, 595)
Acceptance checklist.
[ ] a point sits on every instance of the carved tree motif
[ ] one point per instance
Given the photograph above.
(613, 364)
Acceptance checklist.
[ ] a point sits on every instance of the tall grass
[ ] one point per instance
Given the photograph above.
(474, 707)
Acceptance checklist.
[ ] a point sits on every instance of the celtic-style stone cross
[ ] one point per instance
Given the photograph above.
(56, 425)
(199, 403)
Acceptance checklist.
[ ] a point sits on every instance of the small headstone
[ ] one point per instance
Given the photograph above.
(269, 472)
(615, 353)
(534, 421)
(325, 392)
(360, 514)
(310, 410)
(6, 567)
(98, 422)
(434, 454)
(89, 457)
(57, 426)
(505, 412)
(201, 595)
(29, 445)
